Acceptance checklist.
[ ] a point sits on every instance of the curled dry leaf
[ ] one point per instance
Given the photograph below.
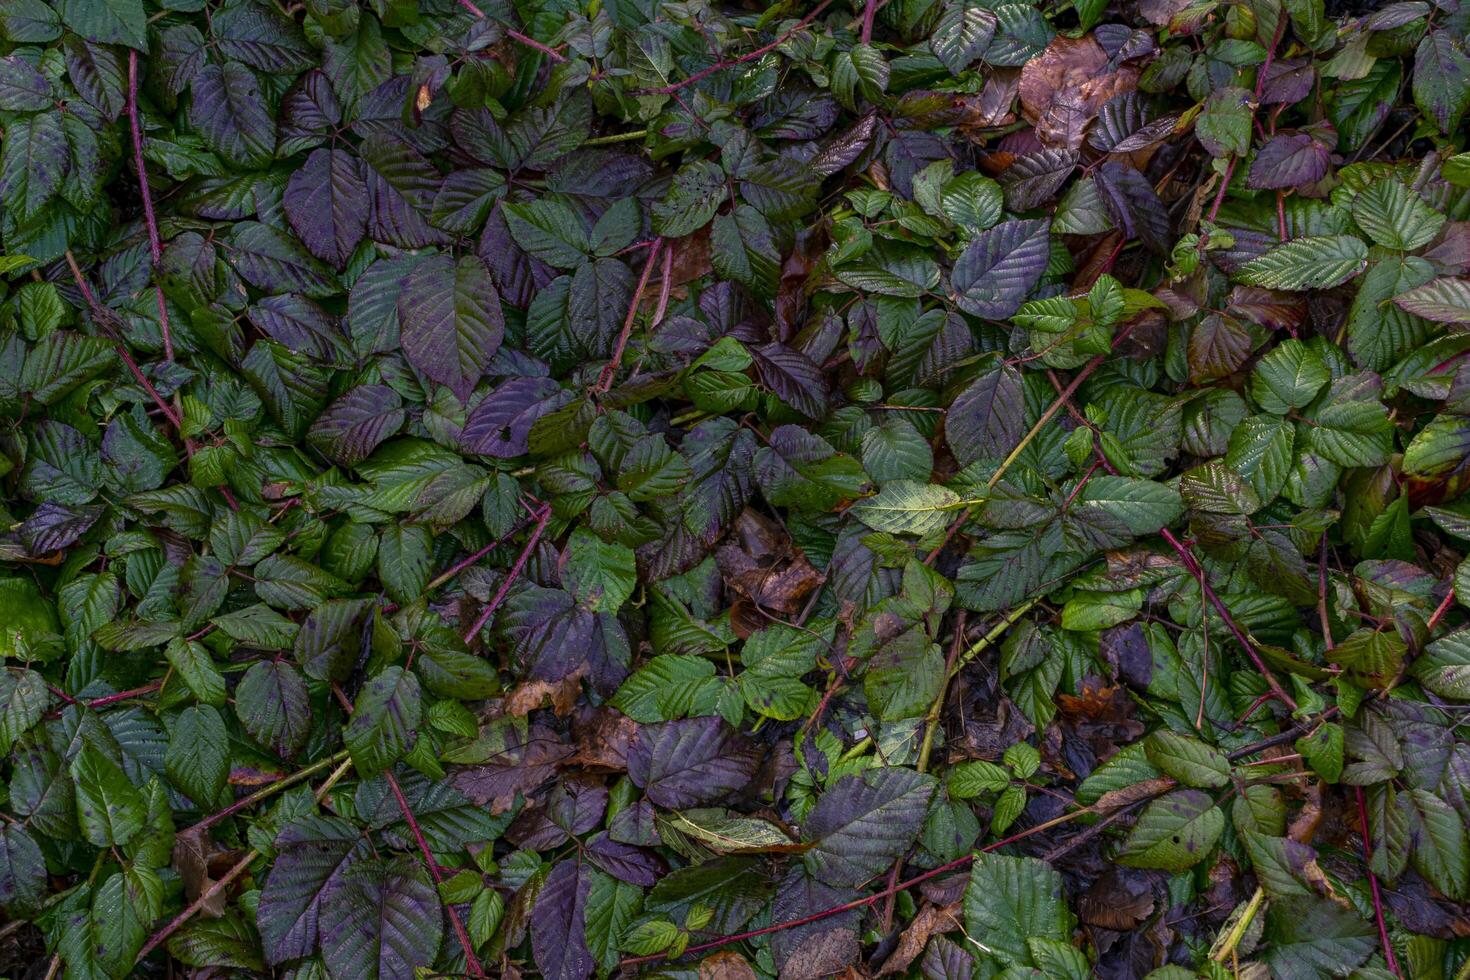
(1063, 89)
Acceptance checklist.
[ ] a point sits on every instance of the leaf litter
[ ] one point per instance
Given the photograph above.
(922, 488)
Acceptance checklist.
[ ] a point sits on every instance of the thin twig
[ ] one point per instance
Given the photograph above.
(220, 884)
(460, 566)
(1193, 566)
(1439, 613)
(99, 312)
(246, 802)
(542, 516)
(931, 720)
(700, 76)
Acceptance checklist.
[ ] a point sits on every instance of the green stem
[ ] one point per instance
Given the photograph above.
(1237, 932)
(615, 138)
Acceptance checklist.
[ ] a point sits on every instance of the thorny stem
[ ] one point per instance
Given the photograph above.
(132, 365)
(1388, 953)
(155, 247)
(542, 516)
(413, 825)
(159, 937)
(460, 566)
(1439, 612)
(870, 13)
(878, 896)
(605, 378)
(1260, 87)
(701, 75)
(931, 720)
(1192, 564)
(1015, 454)
(529, 42)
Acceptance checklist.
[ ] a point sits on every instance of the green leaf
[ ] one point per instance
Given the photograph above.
(1288, 377)
(907, 507)
(1311, 262)
(1395, 216)
(1174, 832)
(600, 575)
(385, 721)
(1011, 900)
(107, 21)
(198, 756)
(109, 807)
(1188, 760)
(1442, 300)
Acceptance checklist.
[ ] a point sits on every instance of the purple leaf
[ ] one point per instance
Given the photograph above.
(500, 425)
(690, 762)
(864, 822)
(230, 114)
(383, 921)
(793, 377)
(1131, 201)
(326, 201)
(988, 418)
(819, 948)
(450, 320)
(353, 426)
(1288, 160)
(53, 527)
(555, 636)
(558, 932)
(311, 856)
(401, 186)
(299, 324)
(631, 864)
(22, 88)
(1000, 267)
(274, 707)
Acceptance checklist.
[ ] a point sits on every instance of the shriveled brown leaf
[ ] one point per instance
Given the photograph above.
(1119, 900)
(1144, 790)
(190, 858)
(763, 565)
(931, 920)
(532, 694)
(725, 965)
(1064, 87)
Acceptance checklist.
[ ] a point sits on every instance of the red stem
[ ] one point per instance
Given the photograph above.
(1260, 87)
(1439, 613)
(529, 42)
(870, 12)
(418, 835)
(856, 904)
(122, 351)
(124, 695)
(1388, 954)
(700, 76)
(1194, 567)
(155, 246)
(605, 379)
(542, 516)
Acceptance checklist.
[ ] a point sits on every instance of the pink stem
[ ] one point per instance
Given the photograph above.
(1388, 954)
(418, 835)
(542, 516)
(1439, 613)
(529, 42)
(700, 76)
(1187, 557)
(155, 246)
(604, 379)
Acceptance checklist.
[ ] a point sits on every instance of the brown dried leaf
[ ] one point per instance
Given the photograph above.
(191, 854)
(530, 694)
(1063, 88)
(1119, 900)
(725, 965)
(931, 920)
